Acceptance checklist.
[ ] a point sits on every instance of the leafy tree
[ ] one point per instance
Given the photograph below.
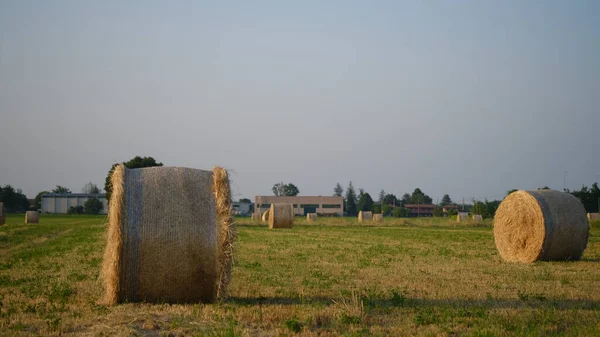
(390, 199)
(386, 209)
(400, 212)
(37, 201)
(361, 191)
(491, 207)
(338, 190)
(351, 200)
(452, 212)
(365, 203)
(61, 189)
(245, 200)
(90, 188)
(480, 209)
(376, 208)
(446, 200)
(418, 197)
(405, 199)
(511, 191)
(544, 188)
(76, 210)
(93, 206)
(288, 190)
(14, 200)
(590, 197)
(438, 211)
(135, 162)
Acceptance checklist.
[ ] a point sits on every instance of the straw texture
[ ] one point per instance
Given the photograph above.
(265, 216)
(540, 225)
(170, 236)
(280, 216)
(32, 217)
(365, 216)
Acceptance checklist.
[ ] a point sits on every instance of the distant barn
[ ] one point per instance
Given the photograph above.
(61, 202)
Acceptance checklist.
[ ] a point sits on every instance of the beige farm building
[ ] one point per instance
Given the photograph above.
(303, 204)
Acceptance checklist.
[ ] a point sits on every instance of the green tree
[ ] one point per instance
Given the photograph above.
(405, 199)
(400, 212)
(93, 206)
(351, 201)
(37, 201)
(479, 208)
(245, 200)
(446, 200)
(14, 200)
(381, 196)
(386, 209)
(418, 197)
(510, 191)
(135, 162)
(376, 208)
(390, 199)
(61, 189)
(438, 211)
(338, 190)
(288, 190)
(365, 203)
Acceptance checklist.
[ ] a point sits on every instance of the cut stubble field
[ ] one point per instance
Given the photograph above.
(401, 277)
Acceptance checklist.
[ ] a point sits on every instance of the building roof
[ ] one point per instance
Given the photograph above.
(74, 195)
(419, 206)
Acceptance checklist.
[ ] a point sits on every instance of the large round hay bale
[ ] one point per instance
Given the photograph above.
(365, 216)
(280, 216)
(540, 225)
(311, 217)
(2, 215)
(32, 217)
(256, 217)
(377, 217)
(477, 218)
(461, 217)
(265, 216)
(170, 236)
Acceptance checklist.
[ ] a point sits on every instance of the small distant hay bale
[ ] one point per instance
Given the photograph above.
(365, 216)
(265, 216)
(280, 216)
(593, 216)
(461, 217)
(32, 217)
(542, 225)
(2, 214)
(311, 217)
(170, 236)
(377, 217)
(477, 218)
(256, 217)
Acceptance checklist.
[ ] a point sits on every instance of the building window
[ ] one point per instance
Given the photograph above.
(331, 206)
(309, 206)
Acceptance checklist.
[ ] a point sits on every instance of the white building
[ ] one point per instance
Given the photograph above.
(61, 202)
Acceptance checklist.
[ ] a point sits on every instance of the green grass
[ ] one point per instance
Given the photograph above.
(423, 277)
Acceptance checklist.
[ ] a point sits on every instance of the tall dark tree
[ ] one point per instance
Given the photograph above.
(288, 190)
(14, 200)
(405, 199)
(365, 203)
(446, 200)
(135, 162)
(511, 191)
(418, 197)
(61, 189)
(338, 190)
(381, 196)
(390, 199)
(351, 200)
(245, 200)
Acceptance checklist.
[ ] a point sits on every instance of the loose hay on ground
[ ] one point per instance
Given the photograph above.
(540, 225)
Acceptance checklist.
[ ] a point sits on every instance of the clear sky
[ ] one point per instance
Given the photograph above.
(469, 98)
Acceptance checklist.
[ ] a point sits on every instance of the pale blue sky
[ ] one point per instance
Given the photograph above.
(469, 98)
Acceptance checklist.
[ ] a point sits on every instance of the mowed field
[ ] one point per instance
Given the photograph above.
(402, 277)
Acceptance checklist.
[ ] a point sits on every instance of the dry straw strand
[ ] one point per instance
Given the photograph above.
(540, 225)
(227, 234)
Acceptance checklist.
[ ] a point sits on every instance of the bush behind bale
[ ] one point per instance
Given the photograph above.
(32, 217)
(280, 216)
(540, 225)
